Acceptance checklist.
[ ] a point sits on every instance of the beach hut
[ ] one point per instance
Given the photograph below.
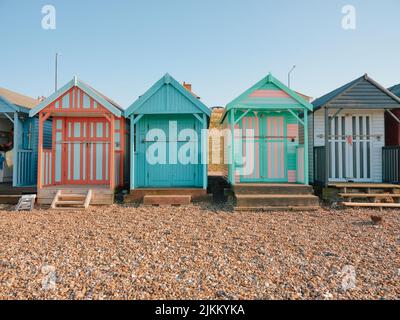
(392, 123)
(85, 161)
(168, 126)
(269, 147)
(18, 142)
(349, 138)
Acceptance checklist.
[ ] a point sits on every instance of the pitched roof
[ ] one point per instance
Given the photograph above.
(395, 89)
(167, 80)
(18, 99)
(361, 93)
(106, 102)
(269, 92)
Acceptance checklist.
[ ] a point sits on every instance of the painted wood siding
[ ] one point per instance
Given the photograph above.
(311, 147)
(377, 129)
(82, 137)
(47, 140)
(81, 150)
(265, 166)
(76, 100)
(168, 100)
(170, 174)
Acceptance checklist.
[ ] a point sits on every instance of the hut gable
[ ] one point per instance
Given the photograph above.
(362, 93)
(167, 96)
(269, 93)
(77, 96)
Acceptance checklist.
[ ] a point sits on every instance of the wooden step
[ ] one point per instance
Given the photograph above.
(75, 196)
(70, 200)
(70, 208)
(277, 208)
(374, 205)
(269, 188)
(370, 195)
(275, 200)
(69, 203)
(138, 194)
(365, 185)
(163, 200)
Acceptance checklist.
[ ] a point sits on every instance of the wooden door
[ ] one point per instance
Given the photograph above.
(167, 170)
(86, 148)
(350, 148)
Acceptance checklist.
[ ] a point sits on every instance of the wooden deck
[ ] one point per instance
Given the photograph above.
(364, 185)
(378, 195)
(196, 194)
(101, 194)
(11, 195)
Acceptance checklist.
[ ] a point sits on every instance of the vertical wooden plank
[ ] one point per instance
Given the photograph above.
(305, 165)
(40, 152)
(327, 151)
(122, 148)
(132, 152)
(112, 152)
(232, 123)
(53, 150)
(204, 151)
(16, 150)
(341, 174)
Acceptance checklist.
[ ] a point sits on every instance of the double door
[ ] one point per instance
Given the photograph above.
(86, 151)
(350, 148)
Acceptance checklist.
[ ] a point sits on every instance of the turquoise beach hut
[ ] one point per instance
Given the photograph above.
(168, 134)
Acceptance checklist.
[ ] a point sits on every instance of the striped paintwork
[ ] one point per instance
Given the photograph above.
(88, 145)
(273, 152)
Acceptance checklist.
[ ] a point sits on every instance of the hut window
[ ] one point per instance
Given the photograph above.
(65, 101)
(86, 101)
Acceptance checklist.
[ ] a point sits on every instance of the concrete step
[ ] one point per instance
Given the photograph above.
(272, 189)
(275, 200)
(164, 200)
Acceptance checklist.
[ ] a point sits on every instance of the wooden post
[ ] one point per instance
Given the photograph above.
(232, 123)
(305, 126)
(132, 151)
(16, 147)
(40, 152)
(205, 152)
(122, 147)
(112, 152)
(327, 151)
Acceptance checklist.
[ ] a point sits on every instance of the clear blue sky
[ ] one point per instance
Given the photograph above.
(221, 46)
